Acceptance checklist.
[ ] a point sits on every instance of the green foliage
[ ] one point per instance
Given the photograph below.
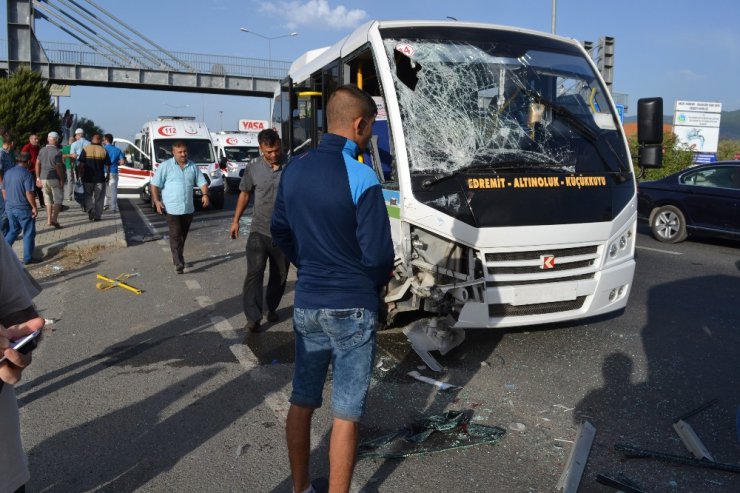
(26, 107)
(727, 149)
(673, 159)
(89, 127)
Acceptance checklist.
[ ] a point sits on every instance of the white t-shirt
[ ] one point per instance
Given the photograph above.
(17, 290)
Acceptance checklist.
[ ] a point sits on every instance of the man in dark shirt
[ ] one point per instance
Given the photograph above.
(331, 221)
(20, 202)
(94, 168)
(261, 178)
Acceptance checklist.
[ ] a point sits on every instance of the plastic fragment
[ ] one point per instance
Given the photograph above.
(517, 427)
(440, 385)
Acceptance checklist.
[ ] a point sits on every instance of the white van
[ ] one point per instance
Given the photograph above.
(234, 150)
(153, 145)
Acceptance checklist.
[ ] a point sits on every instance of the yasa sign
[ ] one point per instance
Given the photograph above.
(253, 125)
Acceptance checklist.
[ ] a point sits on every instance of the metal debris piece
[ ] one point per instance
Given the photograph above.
(440, 385)
(620, 483)
(117, 282)
(630, 451)
(691, 440)
(571, 477)
(436, 433)
(696, 411)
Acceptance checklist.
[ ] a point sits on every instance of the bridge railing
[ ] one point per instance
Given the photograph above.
(119, 56)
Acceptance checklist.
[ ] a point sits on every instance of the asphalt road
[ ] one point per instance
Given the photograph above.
(163, 392)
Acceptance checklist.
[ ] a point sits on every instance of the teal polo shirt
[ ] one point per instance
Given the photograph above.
(176, 185)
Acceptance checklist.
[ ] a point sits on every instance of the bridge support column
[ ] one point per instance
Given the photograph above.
(23, 47)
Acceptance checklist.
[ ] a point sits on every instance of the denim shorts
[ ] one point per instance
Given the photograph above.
(346, 339)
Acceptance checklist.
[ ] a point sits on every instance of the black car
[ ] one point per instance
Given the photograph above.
(702, 199)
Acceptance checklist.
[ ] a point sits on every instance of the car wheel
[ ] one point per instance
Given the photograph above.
(668, 224)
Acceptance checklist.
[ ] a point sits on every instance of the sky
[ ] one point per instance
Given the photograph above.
(676, 49)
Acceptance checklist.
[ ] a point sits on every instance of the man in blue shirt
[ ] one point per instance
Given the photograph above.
(116, 158)
(19, 191)
(80, 142)
(176, 178)
(331, 221)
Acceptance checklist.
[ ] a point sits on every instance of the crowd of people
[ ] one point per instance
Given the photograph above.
(41, 178)
(335, 232)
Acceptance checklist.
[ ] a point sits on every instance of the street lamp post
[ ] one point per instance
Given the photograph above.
(269, 43)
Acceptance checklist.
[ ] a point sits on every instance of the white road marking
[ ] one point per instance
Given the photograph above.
(192, 284)
(205, 302)
(669, 252)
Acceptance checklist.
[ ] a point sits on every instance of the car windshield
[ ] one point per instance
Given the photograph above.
(199, 150)
(471, 101)
(241, 154)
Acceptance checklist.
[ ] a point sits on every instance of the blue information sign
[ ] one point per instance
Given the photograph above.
(620, 111)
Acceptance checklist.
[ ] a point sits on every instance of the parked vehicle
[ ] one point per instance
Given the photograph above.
(153, 145)
(703, 199)
(507, 176)
(234, 150)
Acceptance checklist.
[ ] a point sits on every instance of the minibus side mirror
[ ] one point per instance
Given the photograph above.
(650, 132)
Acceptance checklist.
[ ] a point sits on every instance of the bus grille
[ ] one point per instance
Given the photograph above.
(537, 267)
(506, 310)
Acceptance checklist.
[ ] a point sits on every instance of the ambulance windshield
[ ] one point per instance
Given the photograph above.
(241, 154)
(200, 151)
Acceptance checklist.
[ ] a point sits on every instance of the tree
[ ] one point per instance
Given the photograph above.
(89, 127)
(26, 107)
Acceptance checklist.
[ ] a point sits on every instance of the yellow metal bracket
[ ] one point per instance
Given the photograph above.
(116, 282)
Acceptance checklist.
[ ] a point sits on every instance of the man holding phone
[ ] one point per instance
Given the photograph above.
(18, 319)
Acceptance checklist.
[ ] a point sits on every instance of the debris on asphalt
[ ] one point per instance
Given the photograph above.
(146, 238)
(564, 408)
(696, 411)
(430, 434)
(109, 283)
(440, 385)
(241, 448)
(57, 268)
(691, 440)
(632, 452)
(49, 321)
(520, 427)
(620, 483)
(574, 467)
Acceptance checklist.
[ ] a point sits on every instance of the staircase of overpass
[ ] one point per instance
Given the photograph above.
(133, 61)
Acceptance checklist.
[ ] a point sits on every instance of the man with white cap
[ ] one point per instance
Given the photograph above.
(50, 177)
(76, 149)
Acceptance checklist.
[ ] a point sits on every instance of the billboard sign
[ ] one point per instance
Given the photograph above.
(696, 125)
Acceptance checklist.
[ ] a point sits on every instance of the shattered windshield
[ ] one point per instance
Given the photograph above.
(471, 102)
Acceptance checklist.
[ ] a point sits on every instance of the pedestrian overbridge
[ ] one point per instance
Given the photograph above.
(133, 61)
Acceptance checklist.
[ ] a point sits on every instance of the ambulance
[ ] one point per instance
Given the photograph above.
(234, 150)
(153, 145)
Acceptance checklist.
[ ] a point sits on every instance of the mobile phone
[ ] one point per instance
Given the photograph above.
(25, 344)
